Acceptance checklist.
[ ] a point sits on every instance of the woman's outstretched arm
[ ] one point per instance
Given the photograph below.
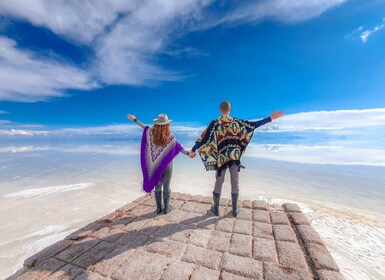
(133, 118)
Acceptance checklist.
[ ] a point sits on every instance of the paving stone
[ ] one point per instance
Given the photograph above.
(261, 216)
(309, 235)
(122, 222)
(321, 257)
(131, 268)
(207, 223)
(202, 257)
(184, 196)
(189, 206)
(155, 269)
(284, 233)
(90, 276)
(225, 224)
(259, 204)
(192, 218)
(47, 253)
(241, 245)
(176, 204)
(178, 270)
(150, 202)
(299, 218)
(127, 207)
(264, 250)
(291, 207)
(243, 226)
(202, 208)
(133, 240)
(290, 254)
(224, 201)
(108, 234)
(174, 195)
(279, 218)
(94, 255)
(135, 225)
(246, 214)
(196, 198)
(181, 233)
(164, 231)
(229, 276)
(220, 241)
(200, 237)
(43, 270)
(280, 272)
(329, 275)
(142, 199)
(262, 230)
(247, 204)
(85, 231)
(242, 266)
(175, 216)
(141, 210)
(163, 247)
(207, 200)
(77, 249)
(112, 261)
(151, 227)
(205, 273)
(68, 272)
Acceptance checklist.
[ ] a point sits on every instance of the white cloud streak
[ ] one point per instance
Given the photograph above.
(126, 37)
(367, 33)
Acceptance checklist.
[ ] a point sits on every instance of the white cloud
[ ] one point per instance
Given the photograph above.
(25, 77)
(126, 37)
(328, 120)
(365, 34)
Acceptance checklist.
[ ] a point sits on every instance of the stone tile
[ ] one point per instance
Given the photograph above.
(126, 208)
(151, 227)
(189, 206)
(68, 272)
(261, 216)
(193, 218)
(142, 199)
(203, 208)
(299, 218)
(94, 255)
(135, 225)
(174, 195)
(284, 233)
(202, 257)
(279, 272)
(225, 224)
(279, 218)
(264, 250)
(205, 273)
(247, 204)
(164, 231)
(321, 257)
(108, 234)
(207, 200)
(309, 235)
(260, 204)
(112, 261)
(168, 248)
(291, 207)
(246, 214)
(224, 201)
(184, 196)
(122, 222)
(90, 276)
(200, 237)
(242, 266)
(196, 198)
(178, 270)
(47, 253)
(155, 269)
(229, 276)
(141, 210)
(243, 226)
(208, 223)
(150, 202)
(181, 233)
(241, 245)
(290, 254)
(77, 249)
(329, 275)
(176, 204)
(132, 268)
(175, 216)
(262, 230)
(85, 231)
(43, 270)
(133, 240)
(220, 241)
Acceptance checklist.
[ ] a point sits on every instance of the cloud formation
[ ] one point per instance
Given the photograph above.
(365, 34)
(126, 38)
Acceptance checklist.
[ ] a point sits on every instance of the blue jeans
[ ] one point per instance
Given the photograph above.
(165, 180)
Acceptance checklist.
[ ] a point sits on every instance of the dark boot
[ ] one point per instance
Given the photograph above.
(215, 207)
(166, 200)
(158, 199)
(234, 200)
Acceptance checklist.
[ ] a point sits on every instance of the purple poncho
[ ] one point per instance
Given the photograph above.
(155, 159)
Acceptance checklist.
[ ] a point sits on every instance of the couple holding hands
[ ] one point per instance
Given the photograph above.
(220, 147)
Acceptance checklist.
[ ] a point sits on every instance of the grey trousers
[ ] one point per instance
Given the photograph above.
(234, 176)
(165, 180)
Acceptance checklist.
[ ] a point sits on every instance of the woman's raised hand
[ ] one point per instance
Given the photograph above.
(131, 117)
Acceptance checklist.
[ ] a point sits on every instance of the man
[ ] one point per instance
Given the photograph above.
(221, 146)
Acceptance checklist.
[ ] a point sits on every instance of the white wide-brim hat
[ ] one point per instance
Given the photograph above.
(162, 120)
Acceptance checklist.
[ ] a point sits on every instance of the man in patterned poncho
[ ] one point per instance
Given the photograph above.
(221, 146)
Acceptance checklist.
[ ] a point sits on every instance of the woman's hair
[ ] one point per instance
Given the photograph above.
(161, 134)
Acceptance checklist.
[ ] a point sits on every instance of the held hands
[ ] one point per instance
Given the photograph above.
(131, 117)
(275, 115)
(192, 155)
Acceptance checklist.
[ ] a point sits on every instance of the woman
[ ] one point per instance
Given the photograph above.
(158, 149)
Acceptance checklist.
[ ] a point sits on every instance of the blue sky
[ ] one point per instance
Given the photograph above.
(73, 63)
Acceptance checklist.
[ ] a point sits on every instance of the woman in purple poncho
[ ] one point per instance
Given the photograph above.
(158, 149)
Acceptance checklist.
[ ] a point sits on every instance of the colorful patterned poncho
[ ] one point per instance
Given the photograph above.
(224, 141)
(155, 159)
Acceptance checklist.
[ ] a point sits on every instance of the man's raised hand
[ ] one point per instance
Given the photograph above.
(192, 155)
(131, 117)
(275, 115)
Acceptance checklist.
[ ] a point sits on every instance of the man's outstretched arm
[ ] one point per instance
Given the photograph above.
(275, 115)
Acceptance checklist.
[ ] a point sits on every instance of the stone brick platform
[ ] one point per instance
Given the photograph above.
(264, 242)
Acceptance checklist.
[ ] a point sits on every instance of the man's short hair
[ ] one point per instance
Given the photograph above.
(225, 106)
